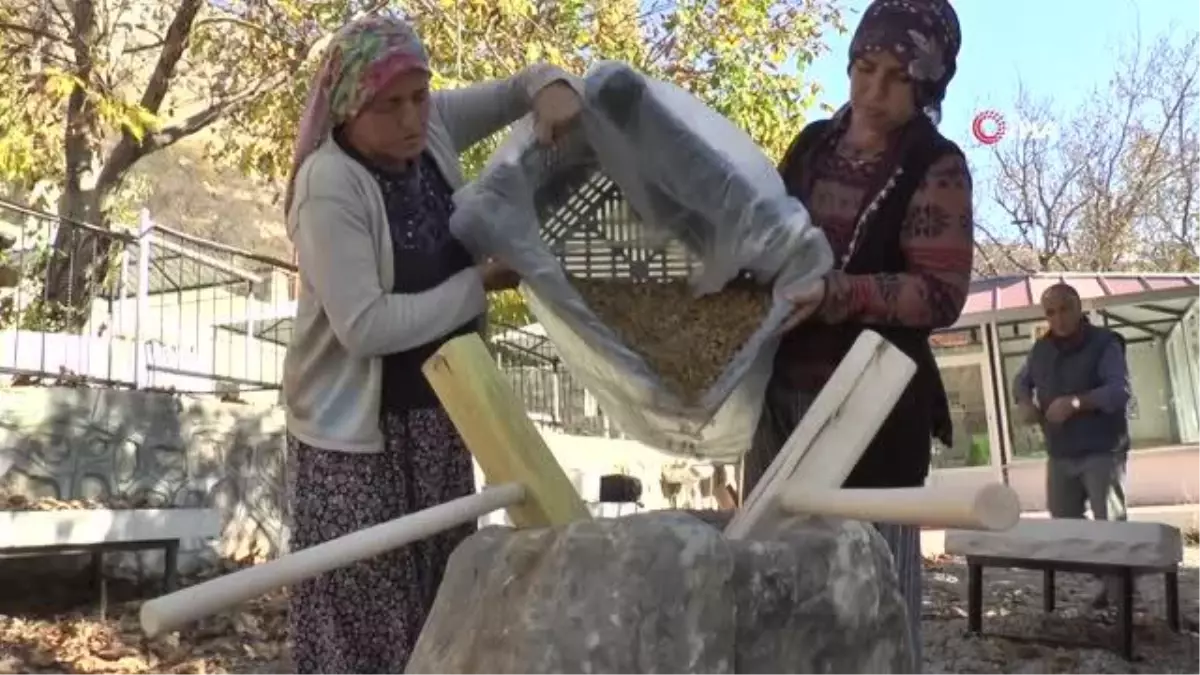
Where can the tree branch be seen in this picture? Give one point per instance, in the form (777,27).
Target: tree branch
(175,44)
(186,126)
(1006,249)
(129,149)
(198,26)
(33,32)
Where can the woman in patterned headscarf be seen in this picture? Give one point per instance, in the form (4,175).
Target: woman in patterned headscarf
(893,196)
(383,285)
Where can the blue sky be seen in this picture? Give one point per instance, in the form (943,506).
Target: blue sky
(1059,49)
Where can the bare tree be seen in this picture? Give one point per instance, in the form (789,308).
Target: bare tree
(1116,187)
(1136,164)
(1169,153)
(1037,191)
(993,258)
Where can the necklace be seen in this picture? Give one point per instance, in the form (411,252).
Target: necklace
(855,156)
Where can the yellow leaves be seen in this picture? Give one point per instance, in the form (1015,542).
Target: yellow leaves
(27,142)
(736,56)
(533,52)
(17,153)
(31,147)
(60,83)
(113,110)
(507,307)
(730,53)
(129,117)
(515,8)
(291,10)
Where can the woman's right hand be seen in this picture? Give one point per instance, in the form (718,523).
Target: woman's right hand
(805,302)
(498,277)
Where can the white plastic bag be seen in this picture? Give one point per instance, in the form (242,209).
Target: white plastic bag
(692,177)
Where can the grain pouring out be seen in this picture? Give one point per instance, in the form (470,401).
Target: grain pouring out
(687,341)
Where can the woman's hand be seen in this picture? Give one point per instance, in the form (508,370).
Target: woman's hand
(554,107)
(498,277)
(805,303)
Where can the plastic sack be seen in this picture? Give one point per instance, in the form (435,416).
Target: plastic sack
(694,179)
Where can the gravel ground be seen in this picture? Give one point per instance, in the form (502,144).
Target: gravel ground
(1013,614)
(63,629)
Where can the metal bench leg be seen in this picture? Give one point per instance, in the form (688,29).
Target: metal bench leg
(1125,613)
(974,598)
(1048,591)
(1171,581)
(97,570)
(170,566)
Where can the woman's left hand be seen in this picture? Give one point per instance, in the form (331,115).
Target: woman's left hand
(555,106)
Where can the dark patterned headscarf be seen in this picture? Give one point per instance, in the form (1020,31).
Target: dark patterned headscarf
(923,34)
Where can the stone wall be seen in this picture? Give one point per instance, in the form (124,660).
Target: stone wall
(179,450)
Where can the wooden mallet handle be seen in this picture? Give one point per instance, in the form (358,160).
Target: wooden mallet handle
(989,507)
(174,610)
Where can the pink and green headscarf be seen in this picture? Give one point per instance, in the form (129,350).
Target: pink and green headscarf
(362,58)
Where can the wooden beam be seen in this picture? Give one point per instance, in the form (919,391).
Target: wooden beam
(834,433)
(524,477)
(986,507)
(177,609)
(499,433)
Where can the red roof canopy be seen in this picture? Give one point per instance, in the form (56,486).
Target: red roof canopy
(1018,296)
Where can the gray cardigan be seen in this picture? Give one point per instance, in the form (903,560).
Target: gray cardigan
(346,317)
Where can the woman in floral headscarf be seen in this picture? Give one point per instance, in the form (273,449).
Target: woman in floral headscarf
(893,196)
(383,285)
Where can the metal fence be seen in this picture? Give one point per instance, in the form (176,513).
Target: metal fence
(157,309)
(552,396)
(146,307)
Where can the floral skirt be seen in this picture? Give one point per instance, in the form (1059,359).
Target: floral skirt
(366,617)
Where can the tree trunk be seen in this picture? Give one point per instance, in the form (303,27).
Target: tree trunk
(80,241)
(79,262)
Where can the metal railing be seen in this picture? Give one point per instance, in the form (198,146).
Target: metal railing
(154,308)
(552,396)
(144,308)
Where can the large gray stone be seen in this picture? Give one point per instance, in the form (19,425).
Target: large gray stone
(666,592)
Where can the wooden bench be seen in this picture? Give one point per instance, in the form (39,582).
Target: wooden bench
(98,531)
(1122,550)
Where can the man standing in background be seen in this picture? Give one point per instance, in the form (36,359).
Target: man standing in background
(1075,385)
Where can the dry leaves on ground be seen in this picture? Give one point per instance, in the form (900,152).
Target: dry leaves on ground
(64,628)
(142,501)
(38,637)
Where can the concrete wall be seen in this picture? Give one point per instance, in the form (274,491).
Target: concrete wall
(72,443)
(199,451)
